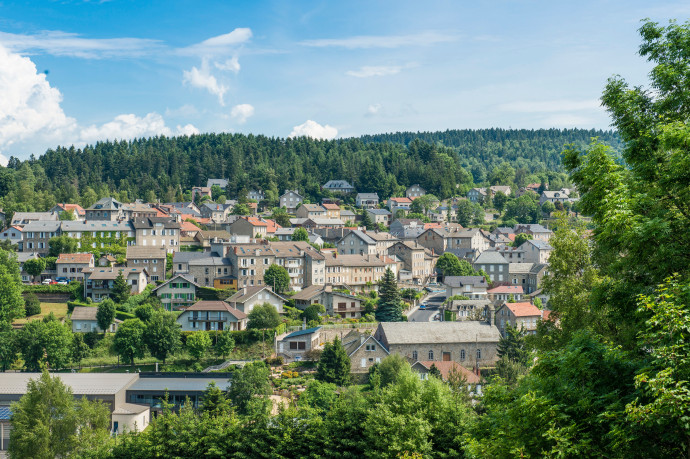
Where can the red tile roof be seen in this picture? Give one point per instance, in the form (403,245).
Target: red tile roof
(216,306)
(523,309)
(74,258)
(402,200)
(445,367)
(514,289)
(330,206)
(80,210)
(188,226)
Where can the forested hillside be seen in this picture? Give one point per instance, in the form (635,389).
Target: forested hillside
(163,168)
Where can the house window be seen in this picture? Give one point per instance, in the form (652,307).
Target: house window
(479,354)
(431,355)
(462,354)
(414,355)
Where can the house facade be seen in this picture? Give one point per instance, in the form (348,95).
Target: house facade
(295,345)
(291,200)
(364,351)
(152,258)
(367,200)
(157,231)
(212,316)
(523,316)
(177,293)
(247,297)
(71,265)
(84,321)
(473,287)
(108,209)
(98,282)
(470,343)
(380,216)
(415,191)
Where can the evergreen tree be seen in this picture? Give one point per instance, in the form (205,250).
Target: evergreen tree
(334,364)
(214,401)
(121,290)
(512,345)
(389,307)
(367,222)
(435,372)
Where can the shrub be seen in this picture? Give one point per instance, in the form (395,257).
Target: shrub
(32,305)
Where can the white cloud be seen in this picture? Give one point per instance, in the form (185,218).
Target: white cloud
(29,107)
(378,41)
(202,78)
(373,109)
(187,129)
(130,126)
(220,45)
(70,44)
(371,71)
(313,129)
(242,112)
(30,113)
(232,65)
(549,106)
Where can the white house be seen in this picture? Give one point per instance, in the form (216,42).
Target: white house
(84,320)
(248,297)
(212,315)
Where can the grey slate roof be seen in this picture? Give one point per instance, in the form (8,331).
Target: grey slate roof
(541,245)
(41,225)
(490,257)
(439,332)
(459,281)
(185,257)
(96,225)
(520,268)
(379,211)
(308,331)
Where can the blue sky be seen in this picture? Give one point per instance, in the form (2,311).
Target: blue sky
(74,72)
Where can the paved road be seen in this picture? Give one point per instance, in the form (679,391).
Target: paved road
(426,315)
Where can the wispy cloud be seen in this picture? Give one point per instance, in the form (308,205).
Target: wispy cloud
(69,44)
(242,112)
(378,70)
(202,78)
(221,45)
(550,106)
(371,71)
(383,41)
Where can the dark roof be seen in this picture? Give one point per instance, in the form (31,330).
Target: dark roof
(459,281)
(308,331)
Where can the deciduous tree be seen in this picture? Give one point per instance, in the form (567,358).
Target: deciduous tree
(277,278)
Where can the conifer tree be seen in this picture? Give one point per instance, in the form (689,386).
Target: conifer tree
(389,308)
(121,290)
(334,364)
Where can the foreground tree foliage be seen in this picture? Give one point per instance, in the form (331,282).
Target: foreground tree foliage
(47,422)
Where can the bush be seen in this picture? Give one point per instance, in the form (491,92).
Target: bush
(73,289)
(214,294)
(274,361)
(32,305)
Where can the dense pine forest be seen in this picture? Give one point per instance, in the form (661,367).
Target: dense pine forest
(159,168)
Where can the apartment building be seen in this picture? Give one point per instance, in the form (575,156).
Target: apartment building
(152,258)
(157,231)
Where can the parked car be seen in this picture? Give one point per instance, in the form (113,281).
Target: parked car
(63,282)
(47,281)
(422,306)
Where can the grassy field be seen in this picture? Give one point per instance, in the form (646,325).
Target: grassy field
(58,309)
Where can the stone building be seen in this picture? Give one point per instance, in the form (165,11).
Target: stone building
(470,343)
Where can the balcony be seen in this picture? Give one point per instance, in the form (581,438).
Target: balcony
(207,319)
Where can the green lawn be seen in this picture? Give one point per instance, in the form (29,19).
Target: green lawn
(58,309)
